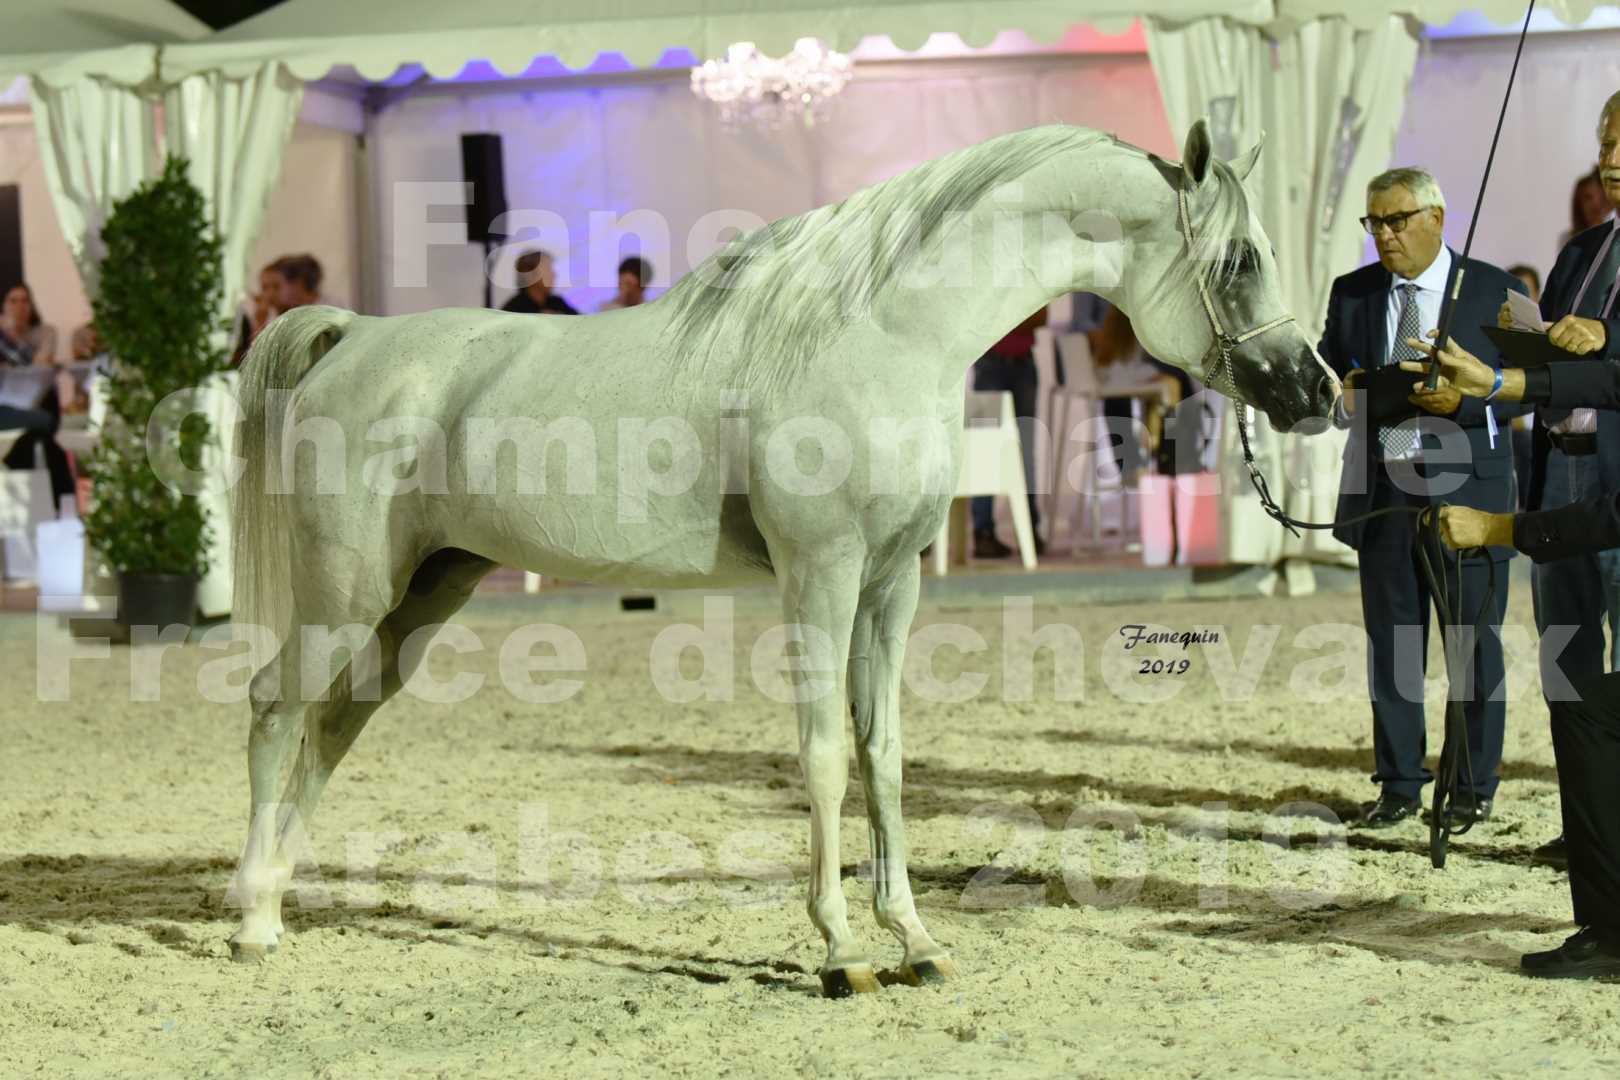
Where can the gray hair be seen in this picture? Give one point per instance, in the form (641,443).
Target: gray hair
(1609,108)
(1420,182)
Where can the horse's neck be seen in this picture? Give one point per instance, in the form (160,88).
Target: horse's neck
(958,322)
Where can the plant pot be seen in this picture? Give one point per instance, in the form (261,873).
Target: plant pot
(157,599)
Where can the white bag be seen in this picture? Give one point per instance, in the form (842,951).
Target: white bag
(60,548)
(1198,519)
(1158,523)
(25,501)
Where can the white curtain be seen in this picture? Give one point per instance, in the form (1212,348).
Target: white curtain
(1329,99)
(96,146)
(234,132)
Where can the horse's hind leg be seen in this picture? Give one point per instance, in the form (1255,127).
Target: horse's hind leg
(440,586)
(274,694)
(876,658)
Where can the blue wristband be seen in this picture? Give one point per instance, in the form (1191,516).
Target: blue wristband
(1497,387)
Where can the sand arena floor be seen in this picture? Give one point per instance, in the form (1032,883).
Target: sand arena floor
(1126,932)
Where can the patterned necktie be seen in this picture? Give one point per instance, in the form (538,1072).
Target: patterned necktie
(1593,304)
(1401,440)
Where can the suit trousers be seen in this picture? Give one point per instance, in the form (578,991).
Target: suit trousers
(1573,596)
(1395,602)
(1586,740)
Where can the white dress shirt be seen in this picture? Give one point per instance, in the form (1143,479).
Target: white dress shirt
(1431,292)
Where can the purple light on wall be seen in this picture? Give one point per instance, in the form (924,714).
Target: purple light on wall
(1475,24)
(549,67)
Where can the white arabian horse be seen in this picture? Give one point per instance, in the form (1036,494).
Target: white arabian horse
(864,315)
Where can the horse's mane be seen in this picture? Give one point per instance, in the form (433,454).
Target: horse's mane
(779,294)
(776,297)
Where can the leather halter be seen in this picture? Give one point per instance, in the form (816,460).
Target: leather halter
(1225,344)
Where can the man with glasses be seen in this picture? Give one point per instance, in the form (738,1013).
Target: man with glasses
(1575,453)
(1451,450)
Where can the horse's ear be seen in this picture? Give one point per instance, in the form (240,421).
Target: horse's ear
(1198,153)
(1244,165)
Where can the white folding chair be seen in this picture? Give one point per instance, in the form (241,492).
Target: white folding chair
(992,464)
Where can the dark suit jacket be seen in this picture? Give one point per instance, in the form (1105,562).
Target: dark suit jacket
(1558,300)
(1358,328)
(1592,524)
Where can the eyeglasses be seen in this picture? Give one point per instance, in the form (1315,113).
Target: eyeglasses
(1395,222)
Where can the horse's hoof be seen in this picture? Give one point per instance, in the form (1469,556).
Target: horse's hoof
(929,972)
(848,981)
(250,952)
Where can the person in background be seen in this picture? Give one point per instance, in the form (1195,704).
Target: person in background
(1403,463)
(1590,205)
(257,312)
(1125,369)
(24,337)
(295,281)
(1531,279)
(634,273)
(1523,440)
(1010,365)
(26,340)
(538,274)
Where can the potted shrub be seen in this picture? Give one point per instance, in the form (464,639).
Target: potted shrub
(157,312)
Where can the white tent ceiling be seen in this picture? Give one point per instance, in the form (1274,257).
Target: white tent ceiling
(115,38)
(377,37)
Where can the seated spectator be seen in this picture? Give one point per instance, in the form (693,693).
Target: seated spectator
(1124,373)
(634,273)
(24,338)
(537,275)
(27,341)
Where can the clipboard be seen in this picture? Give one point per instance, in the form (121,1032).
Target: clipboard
(1387,389)
(1526,348)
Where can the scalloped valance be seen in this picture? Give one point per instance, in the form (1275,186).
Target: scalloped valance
(378,37)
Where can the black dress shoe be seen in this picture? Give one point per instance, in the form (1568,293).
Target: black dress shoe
(1590,954)
(1469,809)
(1390,809)
(986,546)
(1553,853)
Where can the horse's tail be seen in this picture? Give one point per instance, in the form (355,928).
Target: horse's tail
(261,543)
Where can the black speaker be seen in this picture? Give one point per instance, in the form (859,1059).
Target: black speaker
(11,266)
(483,168)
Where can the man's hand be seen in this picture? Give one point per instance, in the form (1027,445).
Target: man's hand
(1463,527)
(1504,318)
(1578,336)
(1441,401)
(1459,368)
(1348,385)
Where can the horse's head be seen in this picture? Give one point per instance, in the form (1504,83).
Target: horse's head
(1209,302)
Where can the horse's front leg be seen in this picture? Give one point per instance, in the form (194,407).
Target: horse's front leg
(877,655)
(819,599)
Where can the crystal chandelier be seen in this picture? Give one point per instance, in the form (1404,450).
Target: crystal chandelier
(750,86)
